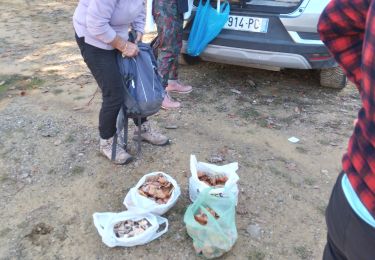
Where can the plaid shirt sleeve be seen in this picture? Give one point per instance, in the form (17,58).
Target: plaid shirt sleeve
(347,27)
(342,27)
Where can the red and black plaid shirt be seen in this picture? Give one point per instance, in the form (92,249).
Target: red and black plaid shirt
(347,27)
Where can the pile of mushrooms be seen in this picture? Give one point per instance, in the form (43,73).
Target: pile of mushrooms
(202,218)
(214,180)
(157,188)
(130,228)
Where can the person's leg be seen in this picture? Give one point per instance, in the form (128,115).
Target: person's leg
(150,134)
(173,83)
(165,14)
(336,219)
(104,68)
(143,119)
(331,252)
(349,237)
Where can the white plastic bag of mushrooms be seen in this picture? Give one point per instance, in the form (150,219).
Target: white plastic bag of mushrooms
(221,178)
(129,229)
(155,192)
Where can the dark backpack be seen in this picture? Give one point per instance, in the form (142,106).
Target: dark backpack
(144,92)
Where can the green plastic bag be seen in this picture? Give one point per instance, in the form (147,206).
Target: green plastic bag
(218,235)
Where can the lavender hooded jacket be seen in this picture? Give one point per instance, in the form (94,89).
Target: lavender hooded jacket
(100,20)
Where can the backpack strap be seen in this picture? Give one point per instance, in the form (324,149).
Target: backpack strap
(139,119)
(114,147)
(126,125)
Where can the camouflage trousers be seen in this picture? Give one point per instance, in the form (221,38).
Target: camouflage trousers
(169,42)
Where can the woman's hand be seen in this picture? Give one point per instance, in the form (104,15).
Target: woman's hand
(130,50)
(127,49)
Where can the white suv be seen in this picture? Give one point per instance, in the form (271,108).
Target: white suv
(273,34)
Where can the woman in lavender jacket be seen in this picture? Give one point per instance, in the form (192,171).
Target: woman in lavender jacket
(101,28)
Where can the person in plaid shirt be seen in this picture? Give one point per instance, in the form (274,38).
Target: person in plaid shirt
(347,27)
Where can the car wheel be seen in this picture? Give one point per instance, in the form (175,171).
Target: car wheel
(185,59)
(333,78)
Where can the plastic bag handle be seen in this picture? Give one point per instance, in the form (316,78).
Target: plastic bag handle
(160,222)
(99,220)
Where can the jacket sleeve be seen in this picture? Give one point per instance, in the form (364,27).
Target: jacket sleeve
(341,27)
(140,21)
(98,19)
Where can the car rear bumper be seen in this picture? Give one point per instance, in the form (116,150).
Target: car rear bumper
(284,45)
(252,58)
(265,59)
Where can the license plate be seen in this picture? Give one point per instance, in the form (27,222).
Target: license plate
(245,23)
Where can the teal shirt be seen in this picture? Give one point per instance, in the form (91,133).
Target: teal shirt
(355,202)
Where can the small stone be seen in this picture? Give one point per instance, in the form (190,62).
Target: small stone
(12,88)
(324,171)
(2,83)
(57,142)
(80,154)
(254,230)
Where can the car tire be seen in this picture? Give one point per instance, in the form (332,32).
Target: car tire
(333,78)
(185,59)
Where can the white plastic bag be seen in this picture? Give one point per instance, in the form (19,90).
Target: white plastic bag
(188,13)
(105,222)
(134,200)
(150,25)
(196,186)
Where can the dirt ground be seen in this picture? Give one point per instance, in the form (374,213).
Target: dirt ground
(53,179)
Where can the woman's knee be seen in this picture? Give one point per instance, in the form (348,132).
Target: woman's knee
(113,102)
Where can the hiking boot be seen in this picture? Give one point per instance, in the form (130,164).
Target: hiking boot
(151,135)
(169,103)
(177,87)
(122,157)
